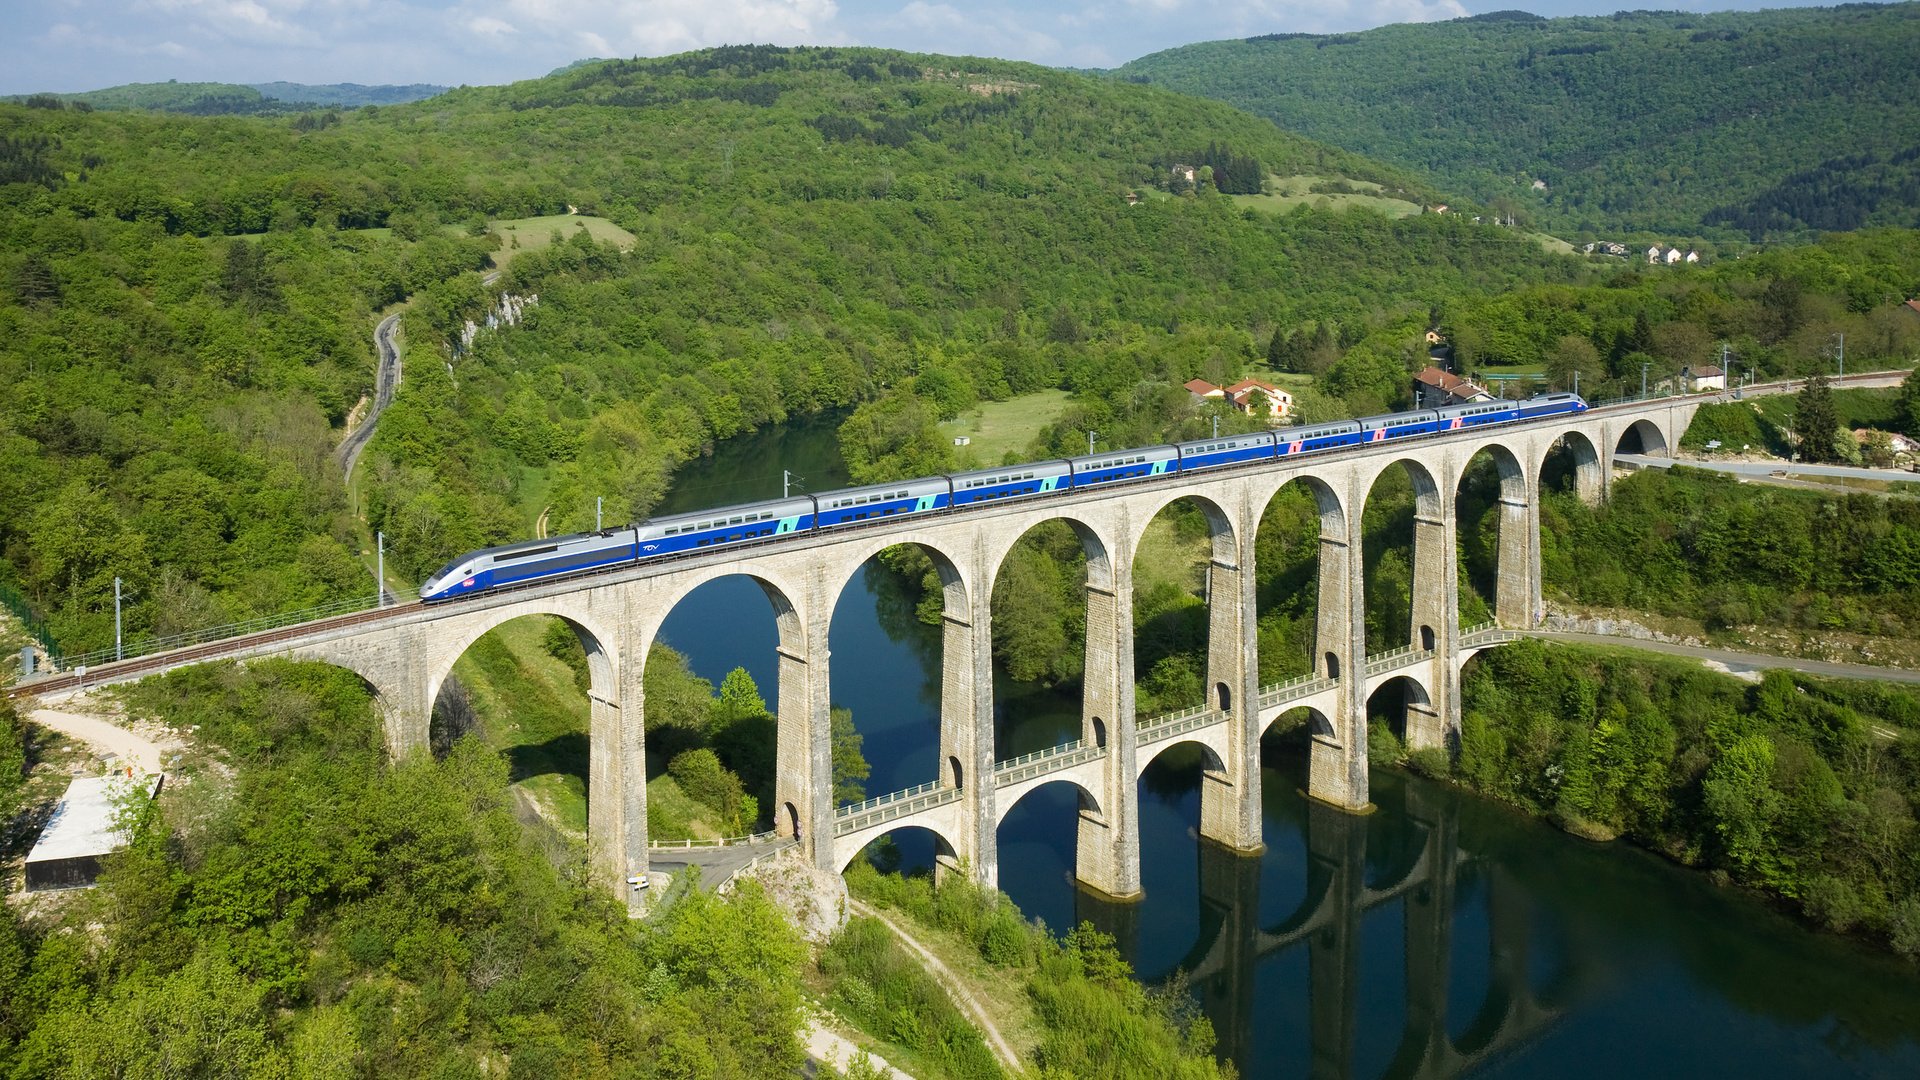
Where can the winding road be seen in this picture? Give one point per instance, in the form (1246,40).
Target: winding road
(386,380)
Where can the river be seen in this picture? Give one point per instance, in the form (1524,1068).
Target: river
(1440,935)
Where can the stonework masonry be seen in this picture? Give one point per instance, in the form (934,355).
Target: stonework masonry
(407,658)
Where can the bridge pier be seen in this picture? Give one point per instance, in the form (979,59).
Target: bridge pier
(1337,762)
(1230,798)
(1436,621)
(966,722)
(1107,855)
(803,771)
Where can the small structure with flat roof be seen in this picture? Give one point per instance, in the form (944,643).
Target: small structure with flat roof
(85,829)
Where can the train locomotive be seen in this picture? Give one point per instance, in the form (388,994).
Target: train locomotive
(762,522)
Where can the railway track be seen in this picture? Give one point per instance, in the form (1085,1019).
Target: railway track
(121,670)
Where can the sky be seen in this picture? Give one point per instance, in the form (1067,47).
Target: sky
(66,46)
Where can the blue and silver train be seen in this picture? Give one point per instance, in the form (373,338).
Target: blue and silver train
(513,564)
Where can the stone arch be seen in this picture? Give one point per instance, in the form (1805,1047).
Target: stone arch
(1643,436)
(1100,689)
(1418,721)
(1178,642)
(1589,471)
(596,637)
(1431,570)
(1501,577)
(798,725)
(956,598)
(1329,570)
(1318,723)
(1089,801)
(1210,759)
(1219,521)
(944,851)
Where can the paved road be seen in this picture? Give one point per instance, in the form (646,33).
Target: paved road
(1770,469)
(717,864)
(386,379)
(1738,661)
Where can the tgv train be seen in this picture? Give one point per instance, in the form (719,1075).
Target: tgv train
(512,564)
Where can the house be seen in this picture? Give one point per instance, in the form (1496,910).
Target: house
(1693,256)
(1433,388)
(1706,378)
(1203,389)
(1539,185)
(1247,394)
(1437,208)
(1186,174)
(1243,395)
(1913,306)
(1673,256)
(1653,254)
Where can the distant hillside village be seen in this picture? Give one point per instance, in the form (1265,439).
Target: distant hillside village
(1657,255)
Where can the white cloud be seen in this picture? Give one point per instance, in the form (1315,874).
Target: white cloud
(656,27)
(488,26)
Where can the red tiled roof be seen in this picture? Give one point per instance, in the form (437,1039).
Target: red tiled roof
(1201,387)
(1245,385)
(1914,304)
(1708,372)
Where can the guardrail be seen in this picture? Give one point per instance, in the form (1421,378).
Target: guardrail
(1487,634)
(1400,657)
(1165,727)
(881,800)
(1041,762)
(1298,687)
(890,807)
(719,842)
(147,646)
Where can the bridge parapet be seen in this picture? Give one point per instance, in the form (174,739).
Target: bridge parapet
(1041,762)
(1294,689)
(1179,723)
(1485,634)
(892,806)
(1404,656)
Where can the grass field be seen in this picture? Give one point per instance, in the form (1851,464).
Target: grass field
(534,233)
(1292,191)
(999,428)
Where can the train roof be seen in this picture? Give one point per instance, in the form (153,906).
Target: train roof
(795,504)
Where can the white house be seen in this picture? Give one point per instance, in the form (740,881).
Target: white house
(1243,395)
(1702,379)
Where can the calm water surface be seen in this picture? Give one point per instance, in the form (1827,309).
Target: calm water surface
(1441,935)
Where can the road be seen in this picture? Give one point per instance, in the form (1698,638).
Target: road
(99,727)
(386,379)
(1771,469)
(1736,661)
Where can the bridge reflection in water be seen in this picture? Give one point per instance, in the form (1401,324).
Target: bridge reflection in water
(1367,882)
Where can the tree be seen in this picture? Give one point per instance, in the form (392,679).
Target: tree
(1816,421)
(850,768)
(13,758)
(1573,356)
(1907,405)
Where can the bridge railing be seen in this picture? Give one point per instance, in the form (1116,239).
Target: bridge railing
(718,842)
(882,800)
(149,645)
(1486,634)
(1290,689)
(1393,658)
(1171,724)
(890,807)
(1041,762)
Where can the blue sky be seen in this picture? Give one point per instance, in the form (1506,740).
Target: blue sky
(71,45)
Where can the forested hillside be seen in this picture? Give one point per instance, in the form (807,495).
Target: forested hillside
(188,301)
(1765,124)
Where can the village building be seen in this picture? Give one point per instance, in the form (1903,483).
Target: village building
(1433,388)
(1246,396)
(1705,378)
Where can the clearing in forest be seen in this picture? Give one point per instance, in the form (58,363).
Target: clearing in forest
(994,429)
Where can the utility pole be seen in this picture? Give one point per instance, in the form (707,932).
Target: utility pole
(1216,429)
(1841,349)
(1643,378)
(786,482)
(1091,435)
(380,572)
(118,652)
(1576,382)
(596,513)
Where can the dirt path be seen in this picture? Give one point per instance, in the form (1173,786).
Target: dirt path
(955,988)
(830,1049)
(100,725)
(1734,662)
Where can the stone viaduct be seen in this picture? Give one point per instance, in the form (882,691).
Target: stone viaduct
(407,653)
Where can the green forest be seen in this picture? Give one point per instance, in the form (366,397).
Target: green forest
(1653,124)
(1800,786)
